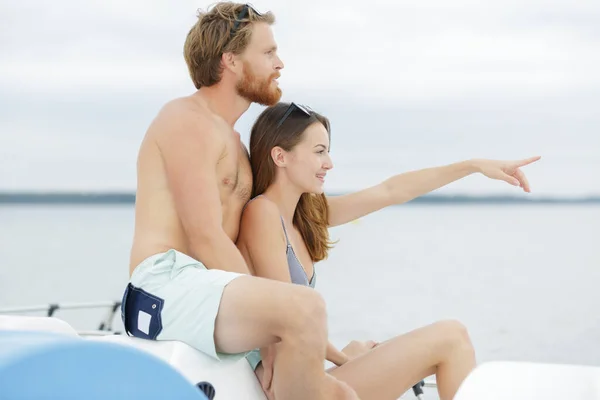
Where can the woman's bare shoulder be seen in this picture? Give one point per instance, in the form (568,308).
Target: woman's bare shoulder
(260,210)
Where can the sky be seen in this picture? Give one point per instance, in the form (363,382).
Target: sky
(406,85)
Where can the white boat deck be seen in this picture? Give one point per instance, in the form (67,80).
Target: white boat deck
(236,380)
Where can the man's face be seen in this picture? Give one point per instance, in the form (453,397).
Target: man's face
(261,67)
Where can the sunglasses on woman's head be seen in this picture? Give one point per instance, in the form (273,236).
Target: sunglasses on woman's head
(306,110)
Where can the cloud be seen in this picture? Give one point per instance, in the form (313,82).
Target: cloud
(398,50)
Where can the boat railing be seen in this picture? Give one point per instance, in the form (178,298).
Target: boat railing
(51,308)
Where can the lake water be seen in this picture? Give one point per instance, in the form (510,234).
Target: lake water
(523,278)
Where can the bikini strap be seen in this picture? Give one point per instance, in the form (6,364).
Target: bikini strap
(287,240)
(250,201)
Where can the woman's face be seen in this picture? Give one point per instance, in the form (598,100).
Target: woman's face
(309,161)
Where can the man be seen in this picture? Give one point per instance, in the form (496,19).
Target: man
(189,282)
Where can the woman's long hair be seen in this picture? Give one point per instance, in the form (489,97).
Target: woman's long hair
(312,212)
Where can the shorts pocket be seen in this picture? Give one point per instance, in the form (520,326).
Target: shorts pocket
(141,313)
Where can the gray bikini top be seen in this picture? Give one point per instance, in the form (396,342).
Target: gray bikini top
(297,272)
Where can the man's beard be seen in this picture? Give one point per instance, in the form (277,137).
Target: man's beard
(263,92)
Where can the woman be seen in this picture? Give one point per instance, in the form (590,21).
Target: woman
(284,232)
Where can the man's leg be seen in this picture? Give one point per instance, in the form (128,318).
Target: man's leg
(256,312)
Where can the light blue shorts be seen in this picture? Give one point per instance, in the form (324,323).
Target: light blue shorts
(172,296)
(254,358)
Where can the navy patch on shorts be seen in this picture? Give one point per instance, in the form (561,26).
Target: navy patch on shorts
(141,312)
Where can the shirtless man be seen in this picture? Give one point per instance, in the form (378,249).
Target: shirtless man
(189,282)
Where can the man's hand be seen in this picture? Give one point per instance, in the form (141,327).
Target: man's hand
(357,348)
(508,171)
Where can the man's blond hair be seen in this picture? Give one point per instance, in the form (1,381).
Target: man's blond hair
(214,34)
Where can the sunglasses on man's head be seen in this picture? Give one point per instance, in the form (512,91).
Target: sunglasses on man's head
(241,16)
(306,110)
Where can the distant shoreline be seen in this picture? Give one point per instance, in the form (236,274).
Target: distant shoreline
(129,198)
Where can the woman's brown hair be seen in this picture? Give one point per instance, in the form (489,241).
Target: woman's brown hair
(312,212)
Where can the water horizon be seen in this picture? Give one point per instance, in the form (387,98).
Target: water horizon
(128,197)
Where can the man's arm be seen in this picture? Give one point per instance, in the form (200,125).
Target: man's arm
(190,146)
(410,185)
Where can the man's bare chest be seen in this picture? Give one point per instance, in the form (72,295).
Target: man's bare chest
(235,175)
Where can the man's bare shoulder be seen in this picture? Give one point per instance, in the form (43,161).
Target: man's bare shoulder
(185,128)
(183,117)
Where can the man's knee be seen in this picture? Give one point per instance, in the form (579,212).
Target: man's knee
(307,312)
(314,306)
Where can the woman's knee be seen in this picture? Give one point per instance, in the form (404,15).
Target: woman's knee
(454,328)
(453,333)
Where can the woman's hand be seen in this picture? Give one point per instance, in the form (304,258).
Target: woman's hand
(508,171)
(357,348)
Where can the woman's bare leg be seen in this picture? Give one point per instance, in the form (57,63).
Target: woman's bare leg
(393,367)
